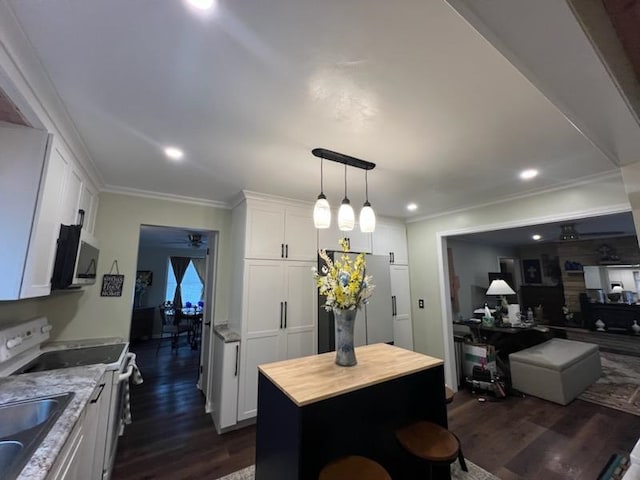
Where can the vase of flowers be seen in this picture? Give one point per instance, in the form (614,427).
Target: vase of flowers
(347,288)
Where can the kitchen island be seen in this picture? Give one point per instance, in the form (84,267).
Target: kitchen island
(312,411)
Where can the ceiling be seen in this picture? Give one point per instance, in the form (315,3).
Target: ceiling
(588,228)
(248,90)
(172,237)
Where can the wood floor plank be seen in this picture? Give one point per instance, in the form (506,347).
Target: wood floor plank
(172,438)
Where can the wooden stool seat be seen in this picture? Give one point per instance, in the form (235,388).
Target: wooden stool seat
(429,441)
(354,467)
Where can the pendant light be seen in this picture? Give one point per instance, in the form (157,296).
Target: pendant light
(346,216)
(367,215)
(321,210)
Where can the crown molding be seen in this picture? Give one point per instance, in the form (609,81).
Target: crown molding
(136,192)
(531,193)
(262,197)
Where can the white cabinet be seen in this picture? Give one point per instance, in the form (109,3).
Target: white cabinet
(31,185)
(594,277)
(328,237)
(623,276)
(401,304)
(69,461)
(391,240)
(278,231)
(279,321)
(226,358)
(40,188)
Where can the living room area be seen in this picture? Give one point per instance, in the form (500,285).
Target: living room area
(550,297)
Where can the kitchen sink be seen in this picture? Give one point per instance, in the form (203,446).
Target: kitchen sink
(23,425)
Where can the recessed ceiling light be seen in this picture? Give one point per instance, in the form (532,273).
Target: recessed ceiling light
(528,174)
(173,153)
(201,4)
(412,207)
(537,237)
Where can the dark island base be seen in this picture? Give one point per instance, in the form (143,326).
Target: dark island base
(297,442)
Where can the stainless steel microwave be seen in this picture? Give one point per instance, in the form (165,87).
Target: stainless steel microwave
(76,262)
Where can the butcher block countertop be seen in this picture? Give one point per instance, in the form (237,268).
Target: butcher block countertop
(310,379)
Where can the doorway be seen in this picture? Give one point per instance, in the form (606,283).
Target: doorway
(173,300)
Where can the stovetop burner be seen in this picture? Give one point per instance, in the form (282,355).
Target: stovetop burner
(76,357)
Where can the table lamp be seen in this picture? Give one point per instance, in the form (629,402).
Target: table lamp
(501,288)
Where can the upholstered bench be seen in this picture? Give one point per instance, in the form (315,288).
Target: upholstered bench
(557,370)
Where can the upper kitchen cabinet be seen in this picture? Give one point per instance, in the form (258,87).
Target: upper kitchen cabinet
(39,190)
(328,238)
(275,230)
(390,239)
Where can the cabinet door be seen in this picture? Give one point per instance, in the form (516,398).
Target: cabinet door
(89,203)
(403,332)
(263,312)
(593,277)
(265,232)
(69,459)
(400,289)
(255,351)
(42,245)
(391,240)
(225,392)
(264,297)
(22,158)
(300,235)
(358,241)
(328,237)
(301,310)
(71,195)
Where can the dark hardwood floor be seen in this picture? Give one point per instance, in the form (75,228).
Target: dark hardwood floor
(517,438)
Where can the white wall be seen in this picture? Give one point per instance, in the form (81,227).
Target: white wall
(472,262)
(427,268)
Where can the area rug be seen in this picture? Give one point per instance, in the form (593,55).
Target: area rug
(474,473)
(619,386)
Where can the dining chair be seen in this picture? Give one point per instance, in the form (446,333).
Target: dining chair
(172,325)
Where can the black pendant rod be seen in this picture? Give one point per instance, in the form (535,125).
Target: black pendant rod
(342,158)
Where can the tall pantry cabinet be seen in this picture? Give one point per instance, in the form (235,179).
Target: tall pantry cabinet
(274,298)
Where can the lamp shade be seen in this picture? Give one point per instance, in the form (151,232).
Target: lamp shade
(346,216)
(500,287)
(322,212)
(367,219)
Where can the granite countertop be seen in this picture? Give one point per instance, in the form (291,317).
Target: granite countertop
(226,334)
(80,380)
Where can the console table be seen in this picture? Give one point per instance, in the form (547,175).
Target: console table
(618,317)
(312,411)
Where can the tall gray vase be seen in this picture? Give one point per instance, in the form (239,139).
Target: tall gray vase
(345,321)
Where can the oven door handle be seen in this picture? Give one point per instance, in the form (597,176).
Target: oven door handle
(131,357)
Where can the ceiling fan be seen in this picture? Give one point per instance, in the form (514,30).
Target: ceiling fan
(568,232)
(192,240)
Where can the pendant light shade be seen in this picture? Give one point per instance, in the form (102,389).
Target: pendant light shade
(322,212)
(367,219)
(346,216)
(367,215)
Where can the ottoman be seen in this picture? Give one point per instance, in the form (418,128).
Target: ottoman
(557,370)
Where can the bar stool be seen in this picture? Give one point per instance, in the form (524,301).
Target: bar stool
(353,467)
(431,443)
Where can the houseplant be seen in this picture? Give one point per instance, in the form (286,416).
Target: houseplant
(347,287)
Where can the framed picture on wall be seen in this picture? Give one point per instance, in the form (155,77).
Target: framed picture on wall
(531,271)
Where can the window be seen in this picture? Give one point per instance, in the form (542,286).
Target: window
(192,287)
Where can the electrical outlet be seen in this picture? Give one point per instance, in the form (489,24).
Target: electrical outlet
(420,303)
